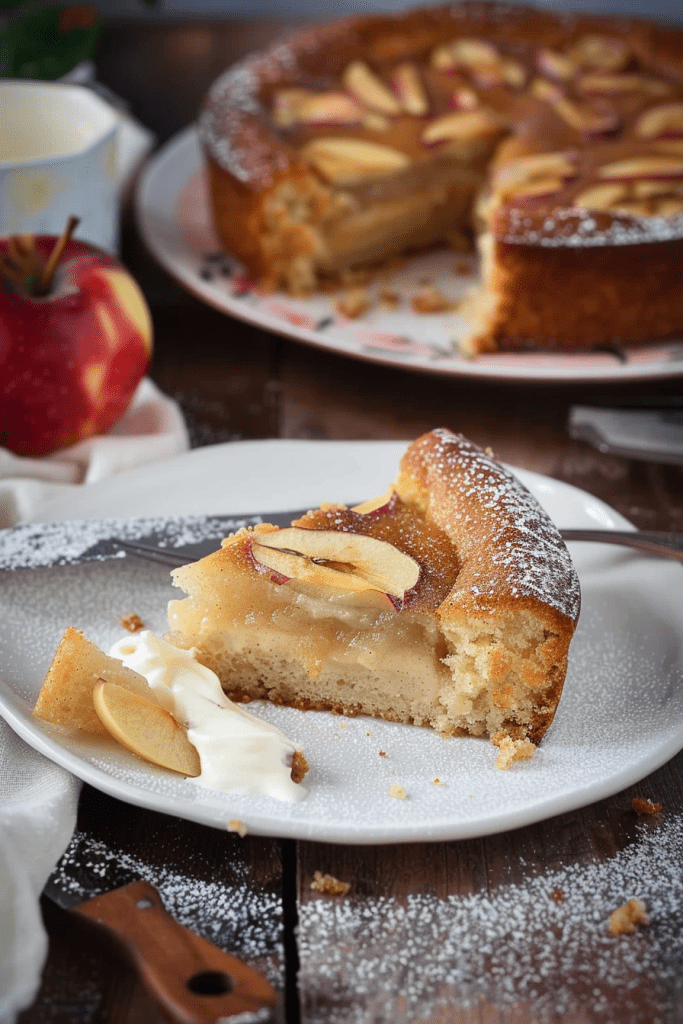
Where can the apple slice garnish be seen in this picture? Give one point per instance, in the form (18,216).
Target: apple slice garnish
(410,90)
(589,119)
(554,65)
(464,54)
(593,52)
(145,728)
(378,504)
(347,561)
(298,106)
(603,196)
(464,98)
(461,126)
(610,85)
(664,119)
(348,161)
(547,92)
(634,168)
(367,87)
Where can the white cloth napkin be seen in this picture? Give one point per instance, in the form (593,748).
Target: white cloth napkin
(153,428)
(37,798)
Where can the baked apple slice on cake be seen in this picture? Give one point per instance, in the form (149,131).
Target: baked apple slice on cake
(449,602)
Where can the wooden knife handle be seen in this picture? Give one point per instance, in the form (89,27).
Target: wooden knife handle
(194,981)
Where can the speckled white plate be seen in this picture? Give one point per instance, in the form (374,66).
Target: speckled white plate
(175,223)
(620,717)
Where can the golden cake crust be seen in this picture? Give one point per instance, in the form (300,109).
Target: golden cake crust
(281,216)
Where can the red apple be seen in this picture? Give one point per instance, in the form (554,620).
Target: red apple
(75,342)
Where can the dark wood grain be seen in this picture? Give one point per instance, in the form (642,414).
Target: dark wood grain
(505,929)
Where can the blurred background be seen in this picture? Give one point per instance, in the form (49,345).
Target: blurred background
(665,10)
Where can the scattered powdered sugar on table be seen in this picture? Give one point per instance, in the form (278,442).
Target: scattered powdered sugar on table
(543,945)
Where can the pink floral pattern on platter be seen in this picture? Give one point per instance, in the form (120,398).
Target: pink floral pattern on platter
(290,315)
(398,343)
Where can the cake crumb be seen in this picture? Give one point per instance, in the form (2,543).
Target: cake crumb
(235,825)
(641,805)
(430,299)
(133,623)
(389,298)
(354,304)
(329,885)
(624,920)
(299,766)
(511,750)
(558,895)
(397,791)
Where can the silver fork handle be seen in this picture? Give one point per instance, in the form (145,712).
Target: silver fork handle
(654,542)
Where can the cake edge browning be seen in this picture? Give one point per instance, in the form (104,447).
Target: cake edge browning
(517,592)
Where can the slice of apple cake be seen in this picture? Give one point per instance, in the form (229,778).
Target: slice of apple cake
(449,602)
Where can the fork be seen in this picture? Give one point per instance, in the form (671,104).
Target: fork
(653,542)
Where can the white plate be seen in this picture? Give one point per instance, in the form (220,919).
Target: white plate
(620,717)
(175,224)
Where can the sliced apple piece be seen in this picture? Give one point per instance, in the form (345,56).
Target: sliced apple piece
(410,89)
(351,556)
(145,728)
(603,196)
(349,161)
(588,119)
(465,98)
(610,85)
(513,72)
(594,52)
(377,504)
(664,119)
(464,53)
(548,92)
(539,188)
(634,168)
(298,106)
(369,89)
(536,165)
(655,188)
(461,126)
(555,65)
(668,207)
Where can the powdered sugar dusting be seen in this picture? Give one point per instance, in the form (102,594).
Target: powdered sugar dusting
(574,227)
(65,543)
(234,914)
(513,547)
(542,946)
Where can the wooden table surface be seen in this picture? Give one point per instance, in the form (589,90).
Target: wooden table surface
(509,928)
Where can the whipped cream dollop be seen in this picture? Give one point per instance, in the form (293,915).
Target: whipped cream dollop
(236,749)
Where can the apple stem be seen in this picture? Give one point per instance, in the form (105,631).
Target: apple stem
(44,284)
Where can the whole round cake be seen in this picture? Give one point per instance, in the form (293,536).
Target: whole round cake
(553,140)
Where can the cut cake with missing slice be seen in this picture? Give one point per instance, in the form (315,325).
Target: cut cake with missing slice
(450,602)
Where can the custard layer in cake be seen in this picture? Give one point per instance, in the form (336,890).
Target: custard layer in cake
(448,603)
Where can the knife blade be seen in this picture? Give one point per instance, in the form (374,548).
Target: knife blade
(193,980)
(650,434)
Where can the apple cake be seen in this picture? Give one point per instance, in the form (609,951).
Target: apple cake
(556,140)
(449,602)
